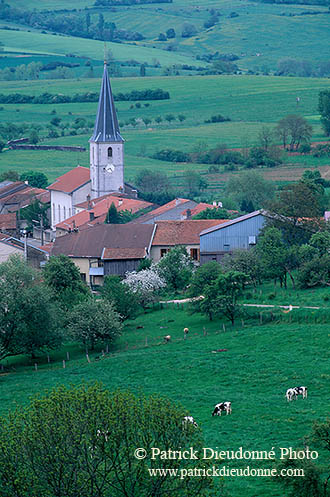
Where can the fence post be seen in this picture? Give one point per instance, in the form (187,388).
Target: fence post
(36,366)
(68,356)
(63,364)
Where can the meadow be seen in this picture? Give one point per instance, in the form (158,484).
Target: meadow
(249,101)
(260,34)
(259,364)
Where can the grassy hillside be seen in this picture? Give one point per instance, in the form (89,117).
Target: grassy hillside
(260,34)
(260,363)
(250,101)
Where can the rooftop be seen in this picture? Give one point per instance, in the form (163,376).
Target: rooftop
(182,232)
(72,180)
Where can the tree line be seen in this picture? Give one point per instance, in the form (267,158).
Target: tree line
(48,98)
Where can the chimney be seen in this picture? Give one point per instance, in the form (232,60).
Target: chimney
(220,204)
(177,202)
(214,203)
(89,204)
(91,216)
(188,214)
(120,202)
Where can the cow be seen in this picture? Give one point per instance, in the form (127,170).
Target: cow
(291,394)
(301,391)
(222,406)
(189,419)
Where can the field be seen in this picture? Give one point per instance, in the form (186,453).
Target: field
(260,363)
(259,34)
(250,101)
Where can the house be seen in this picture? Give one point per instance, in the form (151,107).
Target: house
(68,190)
(106,249)
(91,212)
(239,233)
(9,245)
(15,195)
(171,234)
(173,210)
(8,223)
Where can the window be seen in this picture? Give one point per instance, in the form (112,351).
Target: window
(226,246)
(64,212)
(163,252)
(59,212)
(109,152)
(252,240)
(194,254)
(83,277)
(54,213)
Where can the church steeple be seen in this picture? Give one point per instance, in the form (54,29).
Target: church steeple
(106,127)
(106,146)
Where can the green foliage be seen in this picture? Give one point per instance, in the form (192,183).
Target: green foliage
(152,181)
(250,190)
(119,217)
(35,178)
(28,317)
(221,296)
(292,130)
(176,268)
(63,277)
(213,213)
(144,264)
(94,321)
(171,156)
(315,272)
(124,301)
(2,145)
(324,109)
(36,211)
(9,175)
(245,261)
(90,433)
(203,276)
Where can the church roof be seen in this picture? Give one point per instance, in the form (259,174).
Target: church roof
(72,180)
(106,127)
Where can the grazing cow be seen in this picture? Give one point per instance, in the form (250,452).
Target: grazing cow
(301,391)
(291,394)
(167,338)
(222,406)
(189,419)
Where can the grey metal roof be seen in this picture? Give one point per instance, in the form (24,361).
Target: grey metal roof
(234,221)
(106,127)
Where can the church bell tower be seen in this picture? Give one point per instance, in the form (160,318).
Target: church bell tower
(106,146)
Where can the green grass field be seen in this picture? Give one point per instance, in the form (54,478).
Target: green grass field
(261,362)
(261,34)
(250,101)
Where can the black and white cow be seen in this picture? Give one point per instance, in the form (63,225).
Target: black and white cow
(292,393)
(189,420)
(301,391)
(222,407)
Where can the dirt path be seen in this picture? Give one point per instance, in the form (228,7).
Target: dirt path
(288,307)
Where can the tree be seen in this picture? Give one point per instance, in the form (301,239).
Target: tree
(2,145)
(170,33)
(245,261)
(161,37)
(94,321)
(221,297)
(188,30)
(296,212)
(293,130)
(36,179)
(212,213)
(194,182)
(266,138)
(34,138)
(28,317)
(124,301)
(176,268)
(150,181)
(251,189)
(80,441)
(63,277)
(112,215)
(145,284)
(142,70)
(169,118)
(181,118)
(204,276)
(9,175)
(36,211)
(324,109)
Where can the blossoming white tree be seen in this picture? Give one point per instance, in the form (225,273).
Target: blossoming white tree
(145,284)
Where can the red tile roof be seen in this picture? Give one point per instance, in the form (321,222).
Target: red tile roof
(47,247)
(71,180)
(8,221)
(199,208)
(182,232)
(100,209)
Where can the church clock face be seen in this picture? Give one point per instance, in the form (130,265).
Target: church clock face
(110,168)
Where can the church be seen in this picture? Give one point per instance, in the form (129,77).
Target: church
(106,173)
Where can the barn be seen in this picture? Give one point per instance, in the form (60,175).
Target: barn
(239,233)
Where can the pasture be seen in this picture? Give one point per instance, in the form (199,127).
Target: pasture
(260,363)
(260,34)
(250,101)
